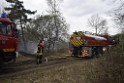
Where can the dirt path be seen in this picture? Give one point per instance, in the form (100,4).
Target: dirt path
(29,66)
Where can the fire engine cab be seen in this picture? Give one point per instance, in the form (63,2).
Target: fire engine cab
(8,39)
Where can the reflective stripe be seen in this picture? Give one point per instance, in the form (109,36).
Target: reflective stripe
(80,34)
(9,50)
(73,42)
(76,39)
(76,42)
(40,52)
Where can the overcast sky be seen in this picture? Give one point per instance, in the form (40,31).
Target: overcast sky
(77,12)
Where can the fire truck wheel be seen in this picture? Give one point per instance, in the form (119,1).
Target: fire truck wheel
(100,50)
(75,52)
(14,57)
(94,52)
(1,60)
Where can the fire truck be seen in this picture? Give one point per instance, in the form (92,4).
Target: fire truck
(82,44)
(8,39)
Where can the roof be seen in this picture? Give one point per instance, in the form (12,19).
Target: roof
(96,37)
(5,20)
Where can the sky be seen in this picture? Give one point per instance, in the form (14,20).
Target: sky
(77,12)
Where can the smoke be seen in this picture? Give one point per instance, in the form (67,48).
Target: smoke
(31,47)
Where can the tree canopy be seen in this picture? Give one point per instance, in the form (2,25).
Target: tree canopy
(17,11)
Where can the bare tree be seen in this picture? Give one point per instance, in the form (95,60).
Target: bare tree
(52,27)
(119,19)
(43,27)
(58,23)
(97,23)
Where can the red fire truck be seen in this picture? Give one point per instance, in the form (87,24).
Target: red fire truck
(8,39)
(86,44)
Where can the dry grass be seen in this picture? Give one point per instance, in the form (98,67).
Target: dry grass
(106,69)
(109,68)
(74,73)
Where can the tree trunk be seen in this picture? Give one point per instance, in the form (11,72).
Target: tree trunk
(23,37)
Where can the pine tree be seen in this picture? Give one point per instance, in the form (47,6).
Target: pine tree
(18,13)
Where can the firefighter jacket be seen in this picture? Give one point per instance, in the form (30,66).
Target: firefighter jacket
(39,51)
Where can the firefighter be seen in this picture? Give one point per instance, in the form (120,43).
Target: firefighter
(39,54)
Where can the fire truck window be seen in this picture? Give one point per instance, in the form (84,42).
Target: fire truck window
(9,29)
(2,28)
